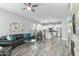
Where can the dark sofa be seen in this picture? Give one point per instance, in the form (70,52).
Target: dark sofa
(19,39)
(9,45)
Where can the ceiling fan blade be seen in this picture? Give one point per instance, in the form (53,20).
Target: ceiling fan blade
(23,8)
(29,4)
(33,10)
(25,4)
(35,5)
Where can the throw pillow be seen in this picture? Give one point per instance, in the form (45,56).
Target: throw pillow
(8,38)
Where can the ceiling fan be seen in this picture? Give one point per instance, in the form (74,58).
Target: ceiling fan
(29,6)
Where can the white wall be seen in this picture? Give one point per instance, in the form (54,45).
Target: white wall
(64,29)
(7,17)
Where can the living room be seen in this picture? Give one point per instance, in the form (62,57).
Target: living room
(38,29)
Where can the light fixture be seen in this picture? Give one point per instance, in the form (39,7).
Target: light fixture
(29,8)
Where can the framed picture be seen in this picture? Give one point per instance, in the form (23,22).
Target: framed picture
(21,27)
(14,27)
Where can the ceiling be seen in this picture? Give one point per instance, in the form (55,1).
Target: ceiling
(44,12)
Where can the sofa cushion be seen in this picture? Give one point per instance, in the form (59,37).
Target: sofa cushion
(3,38)
(19,36)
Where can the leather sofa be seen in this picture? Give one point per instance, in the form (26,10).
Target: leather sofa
(19,39)
(9,45)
